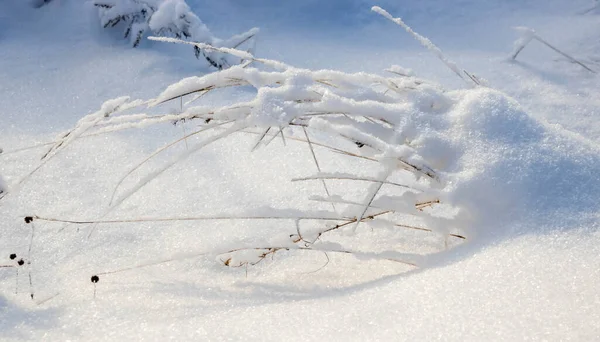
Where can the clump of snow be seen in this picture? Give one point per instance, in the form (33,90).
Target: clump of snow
(511,167)
(176,16)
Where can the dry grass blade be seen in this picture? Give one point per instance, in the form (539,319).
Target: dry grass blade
(26,148)
(196,218)
(163,148)
(338,226)
(352,177)
(421,206)
(236,127)
(282,136)
(261,138)
(265,251)
(572,59)
(322,145)
(83,126)
(197,97)
(372,196)
(312,151)
(275,135)
(204,90)
(423,40)
(342,201)
(155,263)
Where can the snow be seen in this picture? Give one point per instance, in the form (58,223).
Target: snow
(171,12)
(514,166)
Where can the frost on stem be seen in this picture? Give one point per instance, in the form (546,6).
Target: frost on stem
(168,18)
(430,46)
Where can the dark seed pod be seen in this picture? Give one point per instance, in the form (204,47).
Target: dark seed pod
(13,256)
(21,262)
(28,219)
(95,279)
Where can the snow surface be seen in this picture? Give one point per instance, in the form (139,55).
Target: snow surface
(522,168)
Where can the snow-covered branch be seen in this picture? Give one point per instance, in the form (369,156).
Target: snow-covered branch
(169,18)
(430,46)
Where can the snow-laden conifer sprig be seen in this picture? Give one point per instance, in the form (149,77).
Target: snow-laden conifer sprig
(169,18)
(133,14)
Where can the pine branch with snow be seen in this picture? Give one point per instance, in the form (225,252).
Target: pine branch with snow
(132,14)
(169,18)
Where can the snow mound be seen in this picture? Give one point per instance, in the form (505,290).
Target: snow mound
(511,168)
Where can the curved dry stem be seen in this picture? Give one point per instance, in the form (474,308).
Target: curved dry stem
(150,177)
(274,249)
(163,148)
(193,218)
(350,177)
(312,151)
